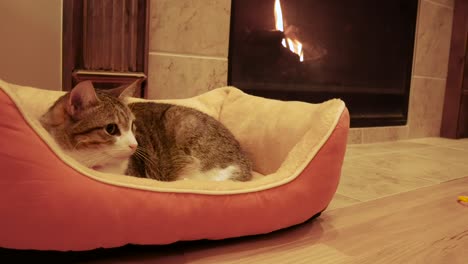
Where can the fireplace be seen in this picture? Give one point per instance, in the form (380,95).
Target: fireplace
(313,50)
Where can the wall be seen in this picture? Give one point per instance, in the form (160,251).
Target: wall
(31,43)
(189,46)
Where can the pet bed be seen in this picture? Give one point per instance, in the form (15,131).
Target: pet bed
(50,202)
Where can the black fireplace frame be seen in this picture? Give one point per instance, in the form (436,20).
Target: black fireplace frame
(366,109)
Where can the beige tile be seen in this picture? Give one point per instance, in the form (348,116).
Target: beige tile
(366,183)
(355,136)
(461,144)
(433,39)
(435,141)
(383,134)
(340,201)
(443,154)
(182,77)
(407,165)
(190,27)
(377,148)
(425,108)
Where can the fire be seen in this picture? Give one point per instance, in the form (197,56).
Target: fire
(279,19)
(296,47)
(293,44)
(278,16)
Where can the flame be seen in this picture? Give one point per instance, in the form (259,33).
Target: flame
(294,45)
(279,20)
(278,16)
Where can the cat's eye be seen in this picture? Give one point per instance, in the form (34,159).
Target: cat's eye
(112,129)
(133,127)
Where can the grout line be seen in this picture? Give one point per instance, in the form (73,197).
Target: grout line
(445,160)
(410,153)
(425,146)
(191,56)
(428,77)
(439,4)
(402,192)
(440,181)
(434,181)
(348,196)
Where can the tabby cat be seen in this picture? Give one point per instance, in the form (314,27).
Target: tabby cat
(144,139)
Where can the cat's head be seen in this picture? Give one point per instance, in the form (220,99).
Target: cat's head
(94,127)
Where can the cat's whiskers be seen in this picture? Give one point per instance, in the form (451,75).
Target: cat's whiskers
(141,153)
(93,159)
(144,158)
(97,158)
(76,145)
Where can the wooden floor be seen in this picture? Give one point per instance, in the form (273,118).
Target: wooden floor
(396,203)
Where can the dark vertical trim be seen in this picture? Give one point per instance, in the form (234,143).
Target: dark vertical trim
(454,85)
(72,32)
(414,7)
(145,43)
(68,62)
(230,47)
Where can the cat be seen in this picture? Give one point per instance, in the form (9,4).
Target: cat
(160,141)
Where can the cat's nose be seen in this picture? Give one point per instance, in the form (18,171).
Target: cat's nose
(133,146)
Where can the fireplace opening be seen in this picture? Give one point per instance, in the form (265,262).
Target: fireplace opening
(313,50)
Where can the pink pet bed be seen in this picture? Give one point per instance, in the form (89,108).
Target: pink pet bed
(50,202)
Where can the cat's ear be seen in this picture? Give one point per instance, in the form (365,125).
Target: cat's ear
(126,90)
(81,97)
(131,90)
